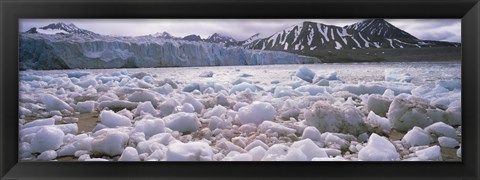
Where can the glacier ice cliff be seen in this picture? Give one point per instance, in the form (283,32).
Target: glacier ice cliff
(71,51)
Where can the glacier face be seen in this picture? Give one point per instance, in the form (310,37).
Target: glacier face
(70,51)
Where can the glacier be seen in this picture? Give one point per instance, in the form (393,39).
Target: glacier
(79,51)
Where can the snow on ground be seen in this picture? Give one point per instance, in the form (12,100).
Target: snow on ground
(322,112)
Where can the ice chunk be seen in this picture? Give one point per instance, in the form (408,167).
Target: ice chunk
(454,115)
(270,127)
(313,90)
(222,100)
(47,138)
(429,154)
(68,128)
(447,142)
(143,96)
(156,142)
(284,91)
(112,119)
(328,76)
(450,84)
(378,149)
(216,123)
(47,155)
(256,113)
(374,88)
(417,137)
(165,89)
(276,152)
(191,87)
(206,74)
(182,122)
(322,82)
(257,153)
(81,142)
(305,74)
(235,156)
(332,152)
(167,107)
(24,111)
(194,102)
(405,113)
(396,75)
(328,118)
(192,151)
(187,107)
(110,143)
(312,133)
(53,103)
(218,111)
(294,155)
(145,107)
(241,80)
(256,143)
(126,113)
(129,154)
(156,155)
(145,85)
(290,109)
(378,124)
(242,87)
(87,82)
(441,129)
(40,122)
(227,146)
(378,104)
(149,127)
(388,93)
(85,107)
(309,149)
(333,140)
(77,74)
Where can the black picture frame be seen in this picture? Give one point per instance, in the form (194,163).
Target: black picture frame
(467,10)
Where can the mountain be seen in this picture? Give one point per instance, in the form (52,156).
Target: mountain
(380,28)
(164,35)
(311,36)
(218,38)
(192,37)
(62,46)
(251,39)
(61,28)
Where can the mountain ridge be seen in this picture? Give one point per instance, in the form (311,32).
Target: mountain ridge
(304,37)
(365,41)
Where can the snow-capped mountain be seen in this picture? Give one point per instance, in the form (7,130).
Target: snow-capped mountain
(380,28)
(61,28)
(251,39)
(59,46)
(164,35)
(311,36)
(218,38)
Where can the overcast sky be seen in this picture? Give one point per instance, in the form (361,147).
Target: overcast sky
(241,29)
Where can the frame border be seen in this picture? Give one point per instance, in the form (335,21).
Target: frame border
(12,10)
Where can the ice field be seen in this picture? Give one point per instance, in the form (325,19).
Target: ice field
(312,112)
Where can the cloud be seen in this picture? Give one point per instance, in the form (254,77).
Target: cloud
(431,29)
